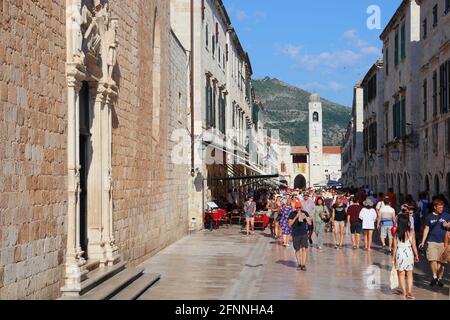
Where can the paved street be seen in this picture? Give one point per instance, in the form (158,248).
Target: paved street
(224,264)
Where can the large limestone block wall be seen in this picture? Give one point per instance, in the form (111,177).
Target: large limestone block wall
(146,195)
(32,148)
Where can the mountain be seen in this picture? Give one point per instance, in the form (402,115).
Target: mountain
(286,109)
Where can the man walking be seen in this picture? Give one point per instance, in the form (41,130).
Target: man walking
(353,212)
(434,234)
(385,222)
(299,221)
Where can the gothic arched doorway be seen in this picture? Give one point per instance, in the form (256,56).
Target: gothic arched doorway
(300,182)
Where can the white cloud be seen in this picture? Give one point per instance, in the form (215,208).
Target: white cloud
(292,51)
(260,14)
(241,15)
(371,50)
(332,86)
(329,60)
(352,39)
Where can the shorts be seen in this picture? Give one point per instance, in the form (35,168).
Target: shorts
(434,251)
(249,216)
(355,227)
(339,223)
(386,232)
(300,242)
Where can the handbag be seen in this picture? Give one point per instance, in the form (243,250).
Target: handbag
(393,279)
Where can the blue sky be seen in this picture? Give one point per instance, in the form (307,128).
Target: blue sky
(322,46)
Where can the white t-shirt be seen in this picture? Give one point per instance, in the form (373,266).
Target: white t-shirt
(368,217)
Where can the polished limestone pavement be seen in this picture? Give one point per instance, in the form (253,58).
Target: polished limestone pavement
(225,264)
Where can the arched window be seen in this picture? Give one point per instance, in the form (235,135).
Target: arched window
(437,189)
(427,184)
(316,117)
(156,73)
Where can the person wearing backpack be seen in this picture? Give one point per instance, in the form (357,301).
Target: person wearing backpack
(436,225)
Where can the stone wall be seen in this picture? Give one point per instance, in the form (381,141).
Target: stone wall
(32,148)
(149,192)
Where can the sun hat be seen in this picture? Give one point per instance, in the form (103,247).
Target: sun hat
(368,203)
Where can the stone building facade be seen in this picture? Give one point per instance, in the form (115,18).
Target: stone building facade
(221,100)
(374,118)
(90,92)
(434,97)
(413,132)
(352,145)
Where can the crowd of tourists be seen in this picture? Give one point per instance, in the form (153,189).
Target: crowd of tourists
(405,227)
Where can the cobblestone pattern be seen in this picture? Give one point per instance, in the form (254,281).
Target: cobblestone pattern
(32,148)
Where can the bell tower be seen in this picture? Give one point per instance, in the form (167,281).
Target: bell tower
(315,140)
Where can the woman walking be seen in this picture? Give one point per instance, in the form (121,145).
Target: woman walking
(338,214)
(286,211)
(250,210)
(368,215)
(321,217)
(274,206)
(405,254)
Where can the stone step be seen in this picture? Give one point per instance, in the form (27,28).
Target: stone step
(138,287)
(94,279)
(112,286)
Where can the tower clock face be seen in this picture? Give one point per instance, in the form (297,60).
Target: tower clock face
(315,148)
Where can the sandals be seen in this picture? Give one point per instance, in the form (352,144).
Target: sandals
(409,296)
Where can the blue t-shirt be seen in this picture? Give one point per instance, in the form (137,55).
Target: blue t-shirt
(437,231)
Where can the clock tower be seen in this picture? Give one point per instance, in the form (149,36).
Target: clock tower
(316,174)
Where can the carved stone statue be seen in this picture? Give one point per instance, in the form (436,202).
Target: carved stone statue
(112,43)
(77,36)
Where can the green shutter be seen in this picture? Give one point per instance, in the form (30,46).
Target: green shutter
(396,48)
(403,41)
(394,117)
(403,116)
(208,116)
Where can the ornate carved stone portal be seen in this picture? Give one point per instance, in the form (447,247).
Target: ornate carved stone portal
(91,36)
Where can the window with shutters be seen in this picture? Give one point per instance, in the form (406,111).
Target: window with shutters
(425,144)
(425,99)
(444,86)
(425,28)
(208,103)
(207,37)
(396,54)
(447,134)
(435,137)
(386,60)
(435,94)
(222,104)
(213,46)
(403,42)
(213,108)
(403,117)
(435,16)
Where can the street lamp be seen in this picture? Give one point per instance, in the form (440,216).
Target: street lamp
(395,153)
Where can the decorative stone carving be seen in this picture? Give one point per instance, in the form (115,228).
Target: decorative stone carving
(75,21)
(111,43)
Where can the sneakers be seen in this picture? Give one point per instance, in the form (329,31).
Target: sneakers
(336,246)
(434,282)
